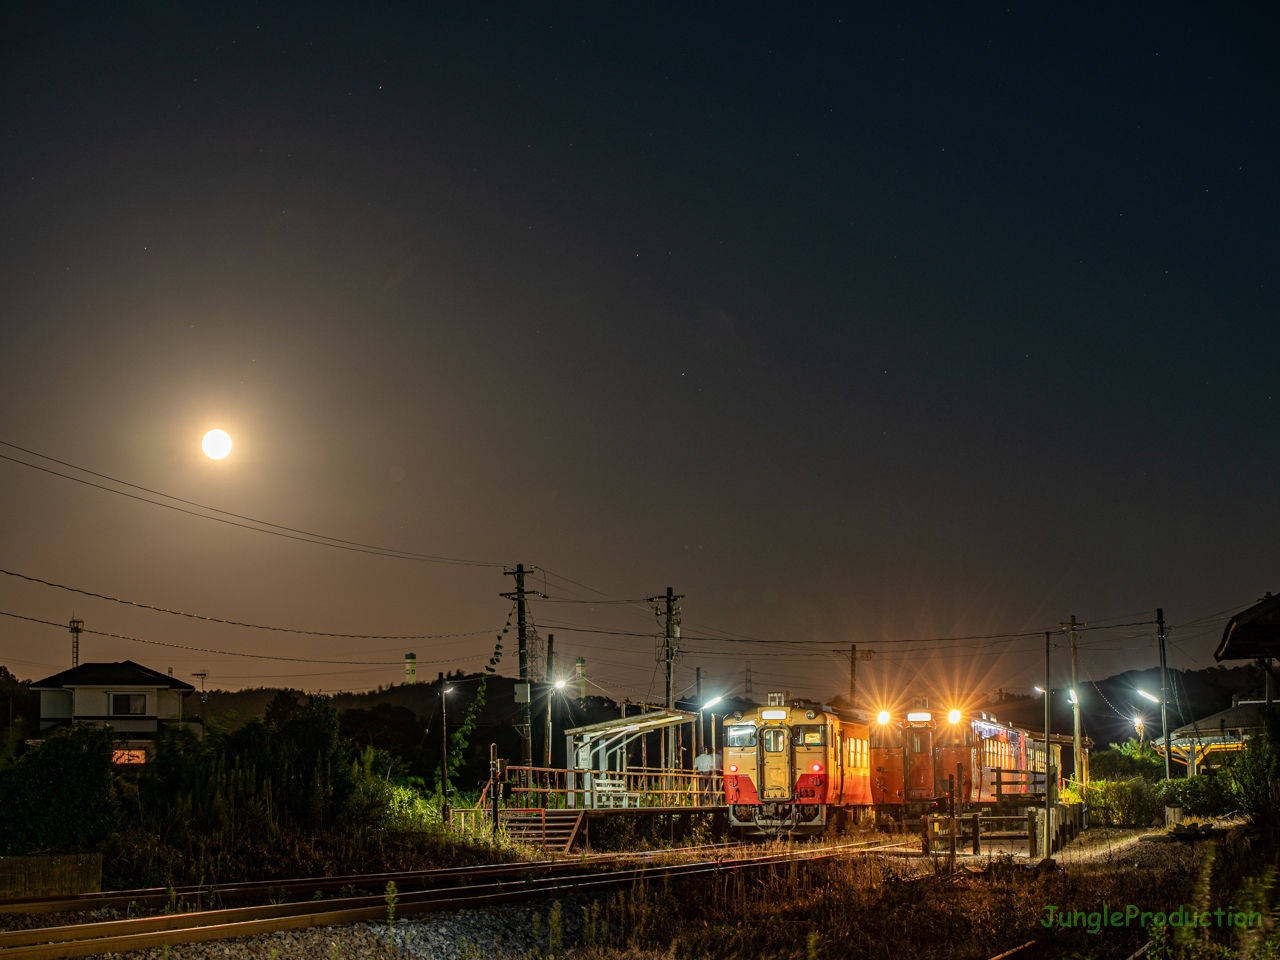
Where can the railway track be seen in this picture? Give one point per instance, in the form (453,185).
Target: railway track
(119,936)
(213,893)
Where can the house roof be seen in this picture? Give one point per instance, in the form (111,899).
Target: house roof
(1252,633)
(123,673)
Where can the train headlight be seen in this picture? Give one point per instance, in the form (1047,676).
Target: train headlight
(884,717)
(733,768)
(954,716)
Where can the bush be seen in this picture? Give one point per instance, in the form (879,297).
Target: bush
(1126,761)
(61,796)
(1204,795)
(1123,803)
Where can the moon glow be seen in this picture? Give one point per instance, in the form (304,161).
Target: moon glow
(216,444)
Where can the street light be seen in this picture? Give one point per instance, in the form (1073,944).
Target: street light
(559,684)
(1073,696)
(444,754)
(1143,693)
(1039,689)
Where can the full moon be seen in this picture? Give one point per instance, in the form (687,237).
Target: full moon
(216,444)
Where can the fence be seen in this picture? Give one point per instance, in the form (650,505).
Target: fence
(556,789)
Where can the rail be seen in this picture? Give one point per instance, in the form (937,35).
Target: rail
(556,789)
(120,936)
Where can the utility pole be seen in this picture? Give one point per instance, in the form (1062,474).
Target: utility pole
(853,672)
(1077,751)
(551,692)
(746,692)
(1164,692)
(76,627)
(1050,781)
(697,737)
(522,689)
(670,642)
(444,757)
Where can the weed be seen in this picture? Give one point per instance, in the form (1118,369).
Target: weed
(536,925)
(555,932)
(392,898)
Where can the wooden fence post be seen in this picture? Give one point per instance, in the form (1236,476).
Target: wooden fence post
(977,829)
(1031,833)
(924,834)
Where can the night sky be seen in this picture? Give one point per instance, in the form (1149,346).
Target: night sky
(884,326)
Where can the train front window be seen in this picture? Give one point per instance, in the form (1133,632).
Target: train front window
(775,740)
(742,735)
(919,742)
(810,734)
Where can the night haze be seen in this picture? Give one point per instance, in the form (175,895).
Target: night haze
(887,327)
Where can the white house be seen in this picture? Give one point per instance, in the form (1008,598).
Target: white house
(134,700)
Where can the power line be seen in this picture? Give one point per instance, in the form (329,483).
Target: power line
(228,653)
(238,623)
(264,526)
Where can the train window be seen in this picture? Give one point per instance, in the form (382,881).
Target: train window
(919,742)
(742,735)
(810,734)
(775,740)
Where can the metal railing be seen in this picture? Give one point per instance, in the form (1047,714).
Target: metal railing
(557,789)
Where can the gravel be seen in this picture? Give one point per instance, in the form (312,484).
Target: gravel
(501,933)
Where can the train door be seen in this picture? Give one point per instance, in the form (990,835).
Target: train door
(919,744)
(776,777)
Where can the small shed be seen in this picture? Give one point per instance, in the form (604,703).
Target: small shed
(136,701)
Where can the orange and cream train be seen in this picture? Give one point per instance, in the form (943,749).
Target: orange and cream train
(802,769)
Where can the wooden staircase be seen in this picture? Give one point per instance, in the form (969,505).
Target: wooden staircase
(550,829)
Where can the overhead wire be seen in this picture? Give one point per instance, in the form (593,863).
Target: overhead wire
(230,653)
(239,623)
(263,526)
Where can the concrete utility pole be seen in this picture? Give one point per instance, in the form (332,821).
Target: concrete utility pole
(1049,779)
(853,672)
(76,627)
(1164,692)
(551,692)
(697,695)
(1077,751)
(444,756)
(522,688)
(670,642)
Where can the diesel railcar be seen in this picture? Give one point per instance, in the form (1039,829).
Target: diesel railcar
(802,769)
(796,769)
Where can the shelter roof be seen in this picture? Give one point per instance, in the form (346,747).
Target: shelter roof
(122,673)
(653,720)
(1246,718)
(1253,633)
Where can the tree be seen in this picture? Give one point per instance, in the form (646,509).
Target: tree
(282,707)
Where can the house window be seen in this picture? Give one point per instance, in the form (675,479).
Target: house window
(128,704)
